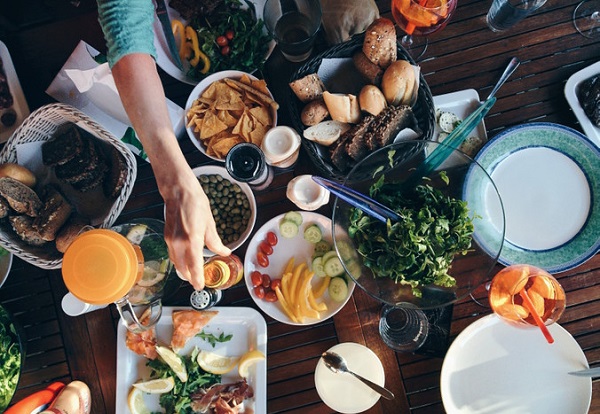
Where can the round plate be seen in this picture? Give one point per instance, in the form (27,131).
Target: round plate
(494,367)
(300,249)
(343,393)
(163,55)
(549,181)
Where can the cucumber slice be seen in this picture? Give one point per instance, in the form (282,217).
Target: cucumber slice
(294,217)
(338,289)
(333,267)
(288,229)
(321,247)
(329,255)
(347,251)
(317,267)
(313,234)
(136,233)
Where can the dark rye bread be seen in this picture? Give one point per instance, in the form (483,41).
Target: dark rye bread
(76,169)
(394,120)
(338,151)
(23,226)
(21,198)
(116,176)
(63,147)
(53,215)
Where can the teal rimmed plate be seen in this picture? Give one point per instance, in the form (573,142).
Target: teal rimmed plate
(548,177)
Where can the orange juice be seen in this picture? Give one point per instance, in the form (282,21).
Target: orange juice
(422,17)
(519,290)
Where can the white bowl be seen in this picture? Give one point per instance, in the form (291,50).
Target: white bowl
(281,146)
(199,89)
(306,194)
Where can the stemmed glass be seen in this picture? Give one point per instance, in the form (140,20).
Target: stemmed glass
(404,325)
(421,18)
(586,18)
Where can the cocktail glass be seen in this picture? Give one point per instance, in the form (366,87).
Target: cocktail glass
(404,326)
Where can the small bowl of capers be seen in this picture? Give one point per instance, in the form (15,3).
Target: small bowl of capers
(232,202)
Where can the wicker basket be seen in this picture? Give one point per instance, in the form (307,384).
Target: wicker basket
(40,126)
(424,109)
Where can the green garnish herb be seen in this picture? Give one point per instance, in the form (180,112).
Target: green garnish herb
(418,250)
(10,359)
(212,339)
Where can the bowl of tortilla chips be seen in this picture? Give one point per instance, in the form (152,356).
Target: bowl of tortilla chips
(227,108)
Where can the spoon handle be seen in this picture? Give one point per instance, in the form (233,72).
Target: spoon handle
(384,393)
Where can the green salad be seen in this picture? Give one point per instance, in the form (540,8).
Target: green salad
(10,359)
(417,250)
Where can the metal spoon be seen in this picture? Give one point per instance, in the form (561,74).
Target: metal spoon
(337,363)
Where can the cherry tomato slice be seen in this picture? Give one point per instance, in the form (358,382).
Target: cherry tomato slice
(259,291)
(266,248)
(270,296)
(222,41)
(262,259)
(275,283)
(271,238)
(266,281)
(256,278)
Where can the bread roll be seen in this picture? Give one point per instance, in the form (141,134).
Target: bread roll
(342,107)
(371,99)
(19,173)
(369,70)
(308,88)
(398,83)
(314,112)
(380,42)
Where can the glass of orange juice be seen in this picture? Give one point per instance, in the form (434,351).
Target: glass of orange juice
(522,293)
(421,18)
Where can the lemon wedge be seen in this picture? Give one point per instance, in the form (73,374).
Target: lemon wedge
(135,401)
(215,363)
(174,361)
(247,360)
(154,272)
(156,386)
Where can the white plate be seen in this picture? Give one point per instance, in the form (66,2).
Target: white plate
(571,87)
(549,181)
(249,331)
(342,392)
(493,367)
(19,103)
(462,104)
(5,265)
(300,249)
(163,55)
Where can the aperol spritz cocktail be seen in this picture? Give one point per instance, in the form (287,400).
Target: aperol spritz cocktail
(521,293)
(421,18)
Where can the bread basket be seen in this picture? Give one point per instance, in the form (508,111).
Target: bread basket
(40,126)
(424,109)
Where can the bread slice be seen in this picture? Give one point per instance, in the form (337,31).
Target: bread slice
(394,120)
(308,88)
(23,226)
(326,132)
(53,215)
(339,151)
(63,147)
(116,176)
(380,45)
(76,169)
(21,198)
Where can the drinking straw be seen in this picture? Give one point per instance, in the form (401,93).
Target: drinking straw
(538,320)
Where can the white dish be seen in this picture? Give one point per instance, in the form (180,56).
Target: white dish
(19,103)
(163,55)
(343,393)
(5,265)
(571,88)
(249,332)
(462,104)
(549,181)
(494,367)
(300,249)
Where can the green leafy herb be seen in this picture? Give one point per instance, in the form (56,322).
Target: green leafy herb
(10,359)
(417,250)
(3,252)
(178,400)
(212,339)
(247,49)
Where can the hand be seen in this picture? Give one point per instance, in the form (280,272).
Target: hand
(189,225)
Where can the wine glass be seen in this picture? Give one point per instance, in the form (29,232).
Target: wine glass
(421,18)
(586,18)
(403,324)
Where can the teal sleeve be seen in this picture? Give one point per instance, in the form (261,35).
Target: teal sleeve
(127,27)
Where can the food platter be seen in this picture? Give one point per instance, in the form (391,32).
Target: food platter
(571,89)
(19,103)
(300,249)
(494,367)
(163,55)
(249,332)
(462,104)
(548,178)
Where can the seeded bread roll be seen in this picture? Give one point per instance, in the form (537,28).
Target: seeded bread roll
(380,42)
(308,88)
(23,226)
(21,198)
(314,112)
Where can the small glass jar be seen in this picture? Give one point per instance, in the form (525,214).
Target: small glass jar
(222,272)
(245,162)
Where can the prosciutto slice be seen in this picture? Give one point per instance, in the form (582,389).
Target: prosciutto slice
(221,398)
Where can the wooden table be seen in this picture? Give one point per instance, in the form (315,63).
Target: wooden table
(466,54)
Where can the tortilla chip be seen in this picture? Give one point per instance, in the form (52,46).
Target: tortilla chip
(262,115)
(212,125)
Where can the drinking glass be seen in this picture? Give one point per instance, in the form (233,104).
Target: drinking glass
(421,18)
(522,293)
(586,18)
(504,14)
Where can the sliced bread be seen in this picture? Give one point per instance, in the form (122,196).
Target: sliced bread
(53,215)
(23,226)
(326,132)
(63,147)
(21,198)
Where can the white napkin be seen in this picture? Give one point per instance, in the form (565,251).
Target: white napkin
(89,86)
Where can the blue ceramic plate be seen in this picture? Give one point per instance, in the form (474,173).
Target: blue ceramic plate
(549,181)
